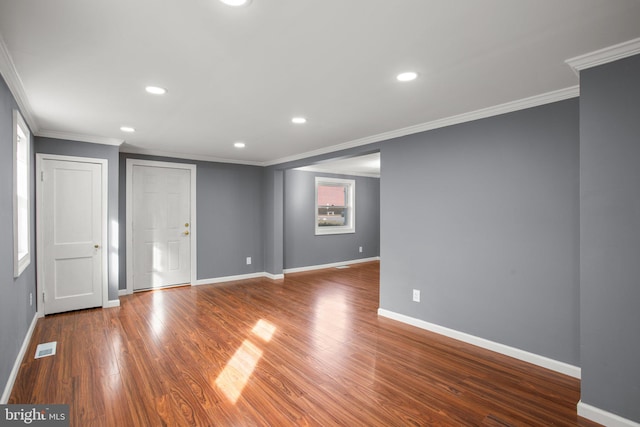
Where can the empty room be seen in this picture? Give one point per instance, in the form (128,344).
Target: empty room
(377,213)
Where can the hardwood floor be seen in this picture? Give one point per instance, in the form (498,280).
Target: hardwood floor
(309,350)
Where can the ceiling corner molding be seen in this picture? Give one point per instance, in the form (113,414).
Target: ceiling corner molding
(196,157)
(14,82)
(507,107)
(604,56)
(79,137)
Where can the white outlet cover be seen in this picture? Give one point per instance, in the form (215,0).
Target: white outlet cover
(248,260)
(416,295)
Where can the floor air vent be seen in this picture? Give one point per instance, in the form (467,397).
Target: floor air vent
(46,349)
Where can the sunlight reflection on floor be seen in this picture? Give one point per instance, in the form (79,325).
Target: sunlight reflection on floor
(238,370)
(264,330)
(158,317)
(331,322)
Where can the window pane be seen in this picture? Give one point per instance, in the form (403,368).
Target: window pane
(334,206)
(21,208)
(331,216)
(331,195)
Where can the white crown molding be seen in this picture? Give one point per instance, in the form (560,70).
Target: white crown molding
(603,417)
(79,137)
(135,150)
(604,56)
(536,359)
(10,75)
(508,107)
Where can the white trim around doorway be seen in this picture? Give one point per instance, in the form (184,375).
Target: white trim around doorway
(129,214)
(40,158)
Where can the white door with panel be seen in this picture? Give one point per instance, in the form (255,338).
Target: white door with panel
(71,218)
(161,226)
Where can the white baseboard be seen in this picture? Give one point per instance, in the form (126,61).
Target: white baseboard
(603,417)
(122,292)
(234,278)
(331,265)
(112,303)
(274,276)
(545,362)
(16,365)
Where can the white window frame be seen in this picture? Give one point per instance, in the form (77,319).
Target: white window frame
(21,203)
(350,184)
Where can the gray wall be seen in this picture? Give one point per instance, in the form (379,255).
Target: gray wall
(83,149)
(482,217)
(16,314)
(303,248)
(273,219)
(229,217)
(610,237)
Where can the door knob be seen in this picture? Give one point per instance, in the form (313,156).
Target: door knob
(186,233)
(96,246)
(186,224)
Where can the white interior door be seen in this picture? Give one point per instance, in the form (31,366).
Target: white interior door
(72,221)
(161,226)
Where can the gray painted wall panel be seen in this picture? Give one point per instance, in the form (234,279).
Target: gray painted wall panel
(482,217)
(273,219)
(16,314)
(99,151)
(610,237)
(229,217)
(229,220)
(302,248)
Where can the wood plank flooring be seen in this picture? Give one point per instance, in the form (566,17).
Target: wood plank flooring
(306,350)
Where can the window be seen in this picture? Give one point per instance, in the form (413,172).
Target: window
(21,199)
(335,207)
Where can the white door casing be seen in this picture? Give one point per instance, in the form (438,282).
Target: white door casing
(161,227)
(160,224)
(72,233)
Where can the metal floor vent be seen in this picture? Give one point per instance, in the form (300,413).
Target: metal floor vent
(342,266)
(46,349)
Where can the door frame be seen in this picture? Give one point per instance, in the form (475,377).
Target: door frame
(129,214)
(106,244)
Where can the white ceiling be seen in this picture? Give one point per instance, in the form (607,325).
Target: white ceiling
(79,67)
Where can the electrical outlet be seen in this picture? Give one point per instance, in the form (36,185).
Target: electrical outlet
(360,249)
(416,295)
(30,299)
(248,260)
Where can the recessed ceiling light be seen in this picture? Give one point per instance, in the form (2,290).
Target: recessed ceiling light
(298,120)
(156,90)
(236,2)
(127,129)
(407,77)
(239,144)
